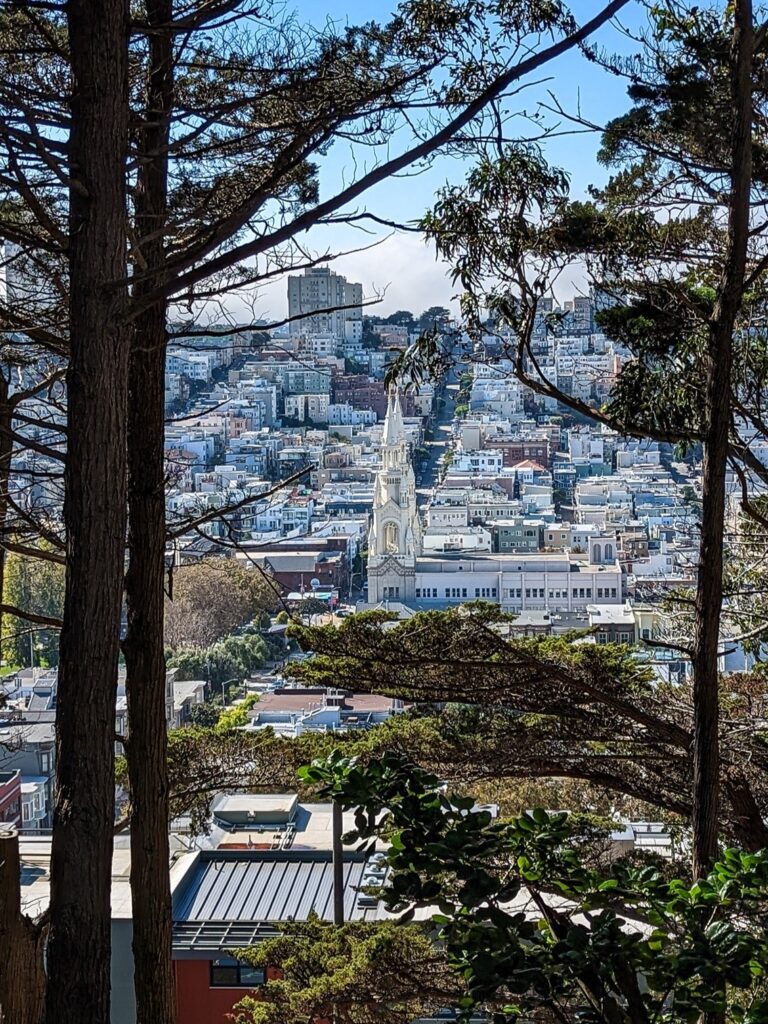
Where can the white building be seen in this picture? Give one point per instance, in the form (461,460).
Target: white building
(486,460)
(394,539)
(307,407)
(319,290)
(401,570)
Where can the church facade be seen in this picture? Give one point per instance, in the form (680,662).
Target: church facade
(399,570)
(394,539)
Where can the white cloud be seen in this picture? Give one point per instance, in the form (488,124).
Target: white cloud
(402,268)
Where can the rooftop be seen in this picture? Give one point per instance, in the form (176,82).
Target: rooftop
(227,899)
(35,855)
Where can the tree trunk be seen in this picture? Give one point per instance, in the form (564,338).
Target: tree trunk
(78,989)
(6,450)
(709,591)
(22,980)
(144,648)
(751,829)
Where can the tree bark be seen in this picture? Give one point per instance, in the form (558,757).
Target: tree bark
(749,826)
(78,990)
(709,591)
(6,450)
(22,980)
(143,647)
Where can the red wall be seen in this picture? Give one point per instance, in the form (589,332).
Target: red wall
(10,800)
(196,1001)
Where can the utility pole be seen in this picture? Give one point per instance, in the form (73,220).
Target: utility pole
(338,865)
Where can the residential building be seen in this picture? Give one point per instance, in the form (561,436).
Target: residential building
(29,748)
(10,797)
(292,712)
(326,303)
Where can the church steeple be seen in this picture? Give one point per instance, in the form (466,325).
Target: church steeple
(394,540)
(394,431)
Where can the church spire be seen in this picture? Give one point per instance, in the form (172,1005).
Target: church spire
(394,431)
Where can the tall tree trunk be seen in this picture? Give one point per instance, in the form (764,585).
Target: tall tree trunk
(144,648)
(78,989)
(6,451)
(709,592)
(22,980)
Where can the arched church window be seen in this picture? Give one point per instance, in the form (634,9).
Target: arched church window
(391,537)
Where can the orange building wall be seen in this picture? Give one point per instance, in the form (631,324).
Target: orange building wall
(196,1001)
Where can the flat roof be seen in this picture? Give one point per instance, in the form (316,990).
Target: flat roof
(611,614)
(261,803)
(35,856)
(253,887)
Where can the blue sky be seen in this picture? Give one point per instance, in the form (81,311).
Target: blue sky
(402,266)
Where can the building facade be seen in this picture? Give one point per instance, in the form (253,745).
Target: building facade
(394,540)
(401,570)
(334,304)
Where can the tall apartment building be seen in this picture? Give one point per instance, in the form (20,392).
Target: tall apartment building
(318,289)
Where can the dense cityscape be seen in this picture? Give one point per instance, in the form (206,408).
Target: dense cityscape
(347,495)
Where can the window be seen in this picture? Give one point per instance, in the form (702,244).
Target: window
(624,638)
(45,763)
(599,591)
(527,591)
(494,592)
(447,591)
(391,537)
(589,591)
(646,634)
(229,973)
(613,591)
(477,591)
(463,591)
(418,592)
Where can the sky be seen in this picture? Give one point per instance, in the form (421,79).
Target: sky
(402,269)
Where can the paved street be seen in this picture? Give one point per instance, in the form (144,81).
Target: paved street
(437,447)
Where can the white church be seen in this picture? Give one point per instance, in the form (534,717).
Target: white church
(400,570)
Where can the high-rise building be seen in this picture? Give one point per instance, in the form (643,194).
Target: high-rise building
(582,314)
(317,290)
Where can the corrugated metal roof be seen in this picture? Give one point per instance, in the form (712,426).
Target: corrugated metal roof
(270,887)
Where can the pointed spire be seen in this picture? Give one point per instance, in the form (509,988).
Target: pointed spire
(394,432)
